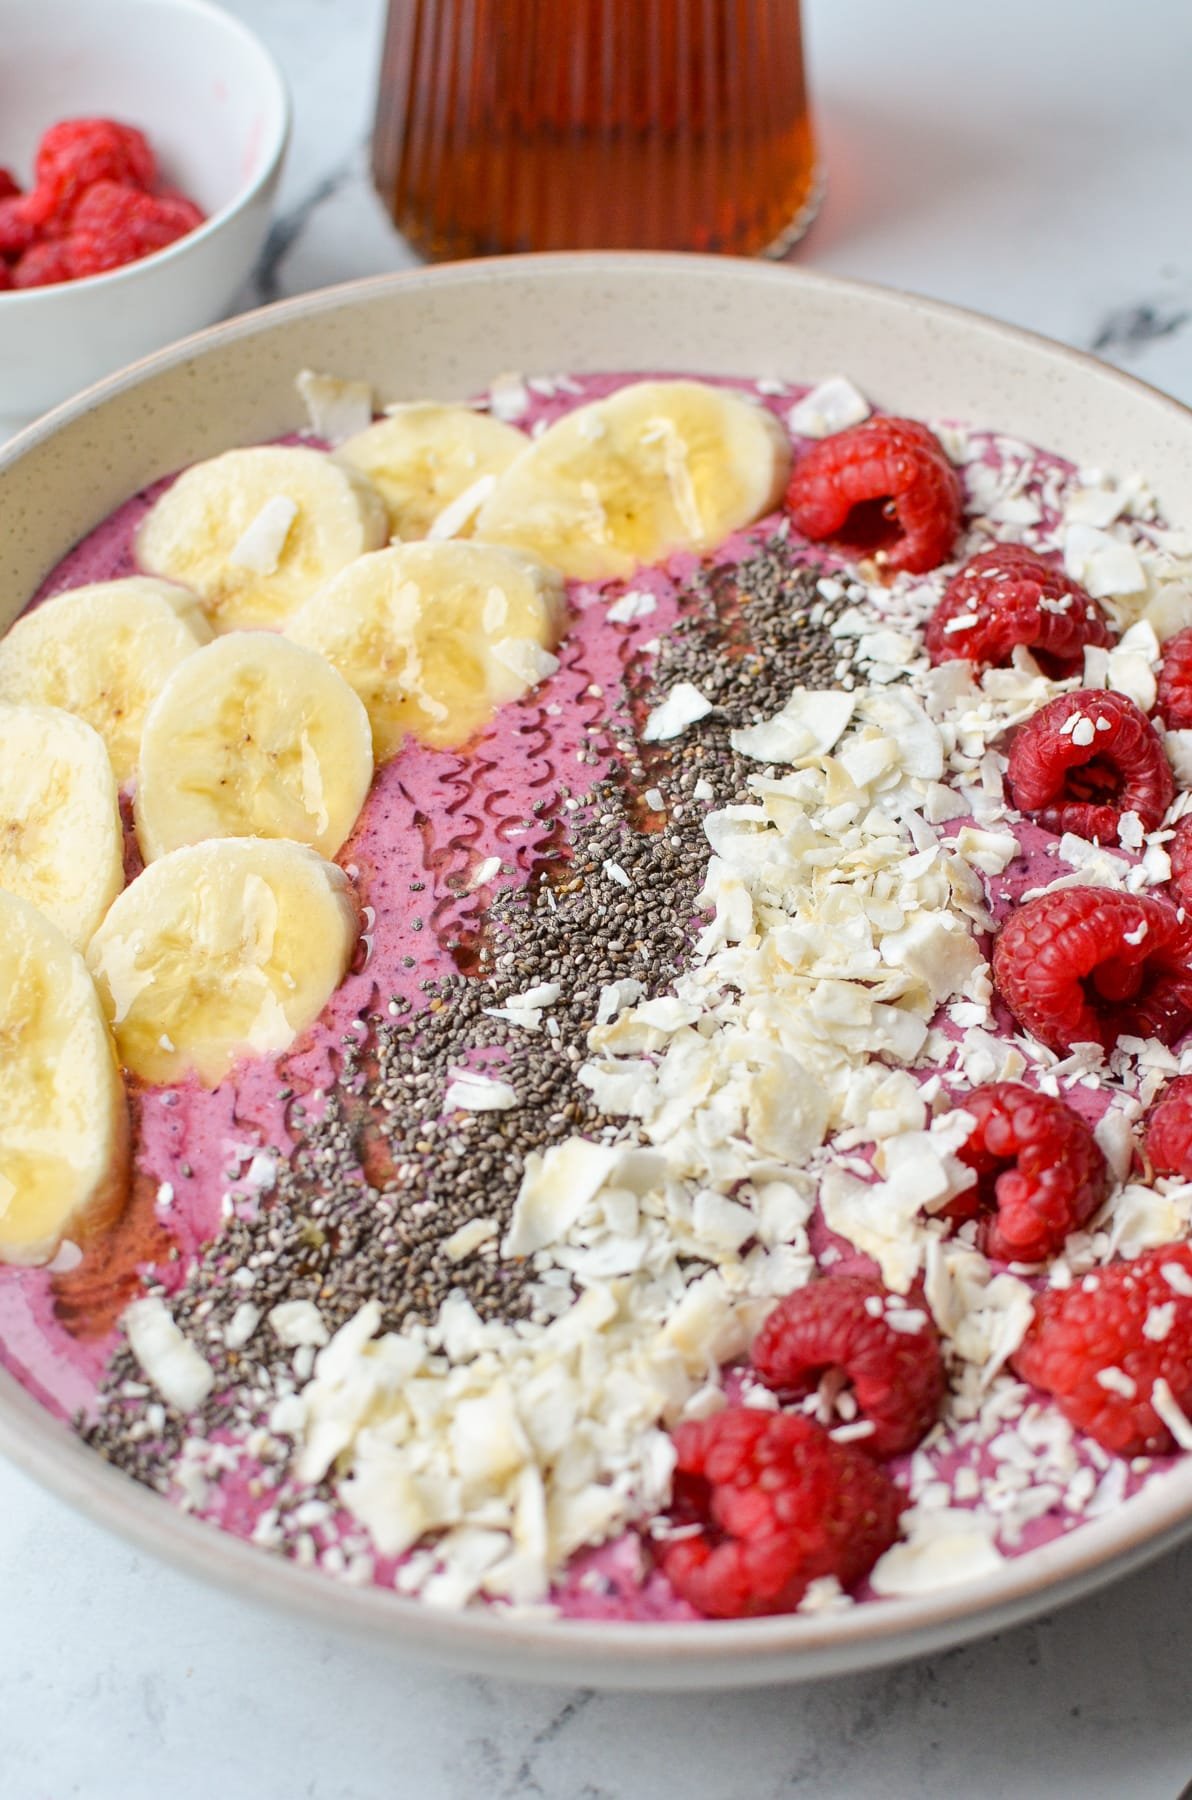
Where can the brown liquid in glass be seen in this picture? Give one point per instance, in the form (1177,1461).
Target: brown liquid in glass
(507,125)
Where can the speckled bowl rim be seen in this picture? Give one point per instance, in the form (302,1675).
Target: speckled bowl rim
(609,1655)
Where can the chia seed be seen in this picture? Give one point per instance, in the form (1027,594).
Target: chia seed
(379,1179)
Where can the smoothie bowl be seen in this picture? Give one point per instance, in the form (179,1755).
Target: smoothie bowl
(605,1091)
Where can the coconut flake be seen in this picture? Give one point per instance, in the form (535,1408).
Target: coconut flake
(808,727)
(470,1091)
(459,513)
(337,409)
(831,407)
(944,1546)
(683,706)
(635,603)
(525,659)
(260,545)
(170,1361)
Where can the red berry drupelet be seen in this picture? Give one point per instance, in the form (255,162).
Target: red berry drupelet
(44,264)
(844,1322)
(1088,965)
(1007,596)
(16,227)
(1101,1346)
(778,1504)
(1174,701)
(1086,758)
(1168,1136)
(1040,1172)
(883,488)
(9,186)
(1180,852)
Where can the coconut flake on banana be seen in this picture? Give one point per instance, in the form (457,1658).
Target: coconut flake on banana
(657,467)
(222,950)
(63,1118)
(61,840)
(424,457)
(435,636)
(103,652)
(254,736)
(254,532)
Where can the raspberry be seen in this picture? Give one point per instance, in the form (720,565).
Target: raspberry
(841,1322)
(75,154)
(44,264)
(1090,965)
(1008,596)
(1174,701)
(1086,758)
(779,1504)
(1040,1172)
(1169,1130)
(9,186)
(1180,852)
(883,488)
(178,209)
(1129,1325)
(5,277)
(113,225)
(16,227)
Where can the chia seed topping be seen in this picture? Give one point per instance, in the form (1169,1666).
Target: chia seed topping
(381,1180)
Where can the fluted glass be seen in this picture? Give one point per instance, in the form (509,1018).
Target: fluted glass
(595,124)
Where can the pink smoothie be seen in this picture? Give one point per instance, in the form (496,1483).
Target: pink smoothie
(435,817)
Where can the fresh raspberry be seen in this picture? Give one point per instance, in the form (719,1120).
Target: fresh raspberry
(883,488)
(1168,1136)
(9,186)
(1040,1172)
(1008,596)
(1101,1345)
(179,209)
(1086,758)
(1180,852)
(1174,701)
(16,227)
(5,276)
(43,265)
(1089,965)
(114,225)
(779,1505)
(75,154)
(843,1322)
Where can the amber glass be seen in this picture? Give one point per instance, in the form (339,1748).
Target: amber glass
(595,124)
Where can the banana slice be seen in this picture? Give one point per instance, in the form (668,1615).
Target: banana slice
(435,636)
(61,840)
(657,467)
(221,950)
(422,456)
(254,736)
(63,1117)
(103,652)
(256,531)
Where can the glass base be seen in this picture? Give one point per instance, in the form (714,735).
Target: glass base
(790,234)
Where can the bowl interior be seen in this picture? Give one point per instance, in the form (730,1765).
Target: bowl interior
(444,333)
(185,73)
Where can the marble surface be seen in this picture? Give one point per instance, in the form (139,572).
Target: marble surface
(1027,160)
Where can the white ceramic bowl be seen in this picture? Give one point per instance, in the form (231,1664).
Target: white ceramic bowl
(446,332)
(215,108)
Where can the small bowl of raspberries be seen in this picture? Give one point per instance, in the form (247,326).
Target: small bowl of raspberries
(140,152)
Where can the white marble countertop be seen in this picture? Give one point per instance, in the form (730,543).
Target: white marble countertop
(1029,160)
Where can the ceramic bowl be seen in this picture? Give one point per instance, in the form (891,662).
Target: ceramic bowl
(447,332)
(215,108)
